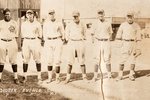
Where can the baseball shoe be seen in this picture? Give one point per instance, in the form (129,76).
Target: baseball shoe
(16,81)
(119,78)
(94,79)
(85,79)
(24,80)
(40,81)
(49,81)
(58,80)
(132,77)
(67,81)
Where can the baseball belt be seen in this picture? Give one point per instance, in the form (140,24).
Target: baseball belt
(29,38)
(54,38)
(102,39)
(6,40)
(128,40)
(76,39)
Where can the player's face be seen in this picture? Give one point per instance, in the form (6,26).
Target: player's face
(30,16)
(7,16)
(101,16)
(76,19)
(130,19)
(52,16)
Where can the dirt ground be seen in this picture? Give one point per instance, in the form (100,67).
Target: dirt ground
(29,91)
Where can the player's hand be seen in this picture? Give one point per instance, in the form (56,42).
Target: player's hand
(137,53)
(65,41)
(19,49)
(42,42)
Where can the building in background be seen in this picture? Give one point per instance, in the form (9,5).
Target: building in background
(115,9)
(19,7)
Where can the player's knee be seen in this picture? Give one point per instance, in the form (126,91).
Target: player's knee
(2,63)
(25,61)
(38,61)
(107,61)
(57,63)
(70,63)
(96,62)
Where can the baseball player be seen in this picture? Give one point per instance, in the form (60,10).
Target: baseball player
(129,35)
(31,33)
(75,35)
(53,33)
(102,33)
(8,43)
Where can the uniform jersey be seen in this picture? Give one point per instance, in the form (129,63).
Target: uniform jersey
(52,29)
(8,30)
(102,30)
(31,29)
(102,49)
(75,31)
(129,31)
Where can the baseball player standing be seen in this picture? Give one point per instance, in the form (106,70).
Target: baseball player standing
(129,34)
(102,33)
(8,43)
(31,33)
(75,35)
(53,33)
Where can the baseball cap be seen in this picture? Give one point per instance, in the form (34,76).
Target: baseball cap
(6,10)
(130,13)
(30,11)
(51,11)
(75,13)
(100,11)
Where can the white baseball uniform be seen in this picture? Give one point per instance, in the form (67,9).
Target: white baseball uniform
(53,32)
(8,44)
(30,31)
(102,47)
(129,34)
(75,34)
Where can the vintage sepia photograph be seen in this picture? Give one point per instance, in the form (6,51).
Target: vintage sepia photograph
(74,49)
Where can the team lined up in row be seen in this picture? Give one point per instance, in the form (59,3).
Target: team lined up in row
(74,34)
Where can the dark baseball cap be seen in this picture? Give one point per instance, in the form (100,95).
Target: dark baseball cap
(6,10)
(30,11)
